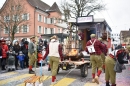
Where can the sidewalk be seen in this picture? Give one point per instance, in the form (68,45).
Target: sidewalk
(122,79)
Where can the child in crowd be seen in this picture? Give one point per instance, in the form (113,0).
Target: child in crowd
(21,58)
(40,56)
(11,59)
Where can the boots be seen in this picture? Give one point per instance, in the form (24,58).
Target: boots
(31,72)
(93,80)
(49,69)
(107,84)
(97,79)
(3,67)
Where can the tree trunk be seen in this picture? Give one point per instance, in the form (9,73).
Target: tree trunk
(12,37)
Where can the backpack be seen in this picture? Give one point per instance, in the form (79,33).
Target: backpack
(91,48)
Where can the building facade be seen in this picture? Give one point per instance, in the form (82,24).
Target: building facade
(115,39)
(125,37)
(40,17)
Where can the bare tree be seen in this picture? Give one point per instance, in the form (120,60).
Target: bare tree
(80,7)
(12,17)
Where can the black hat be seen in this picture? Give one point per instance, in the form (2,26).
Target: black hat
(119,47)
(26,42)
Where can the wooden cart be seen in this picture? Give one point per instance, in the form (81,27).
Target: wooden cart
(68,64)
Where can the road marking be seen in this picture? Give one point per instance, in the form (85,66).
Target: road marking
(7,74)
(65,82)
(45,78)
(16,78)
(92,84)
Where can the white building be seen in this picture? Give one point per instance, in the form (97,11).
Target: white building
(115,39)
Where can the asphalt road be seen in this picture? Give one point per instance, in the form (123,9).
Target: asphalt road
(17,78)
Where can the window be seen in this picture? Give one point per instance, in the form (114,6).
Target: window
(45,19)
(58,30)
(17,7)
(39,29)
(15,18)
(25,28)
(40,18)
(7,18)
(45,31)
(12,8)
(6,30)
(52,20)
(48,21)
(25,16)
(52,30)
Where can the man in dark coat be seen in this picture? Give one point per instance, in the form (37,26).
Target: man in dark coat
(24,49)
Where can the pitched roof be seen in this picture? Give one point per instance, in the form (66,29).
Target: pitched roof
(55,8)
(39,4)
(125,33)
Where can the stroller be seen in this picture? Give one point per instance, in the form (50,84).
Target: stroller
(11,60)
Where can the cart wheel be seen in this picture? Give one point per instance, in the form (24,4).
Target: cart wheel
(84,70)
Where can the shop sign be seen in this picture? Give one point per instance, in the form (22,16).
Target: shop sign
(85,19)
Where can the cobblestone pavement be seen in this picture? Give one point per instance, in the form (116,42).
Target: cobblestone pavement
(16,78)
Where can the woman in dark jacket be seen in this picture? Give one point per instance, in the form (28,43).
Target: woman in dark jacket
(9,44)
(120,54)
(16,48)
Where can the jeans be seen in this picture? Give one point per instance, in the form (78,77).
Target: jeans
(22,64)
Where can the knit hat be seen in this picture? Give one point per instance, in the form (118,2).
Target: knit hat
(92,35)
(2,40)
(54,37)
(119,47)
(20,52)
(100,39)
(32,37)
(128,47)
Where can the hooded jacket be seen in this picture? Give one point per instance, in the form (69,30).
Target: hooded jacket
(4,50)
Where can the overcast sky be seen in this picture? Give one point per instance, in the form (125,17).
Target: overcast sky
(117,13)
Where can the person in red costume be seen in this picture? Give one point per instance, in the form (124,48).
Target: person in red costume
(4,54)
(94,48)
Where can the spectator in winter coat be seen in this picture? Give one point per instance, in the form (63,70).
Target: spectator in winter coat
(54,51)
(11,59)
(21,58)
(24,49)
(40,46)
(9,44)
(4,54)
(40,56)
(0,52)
(16,48)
